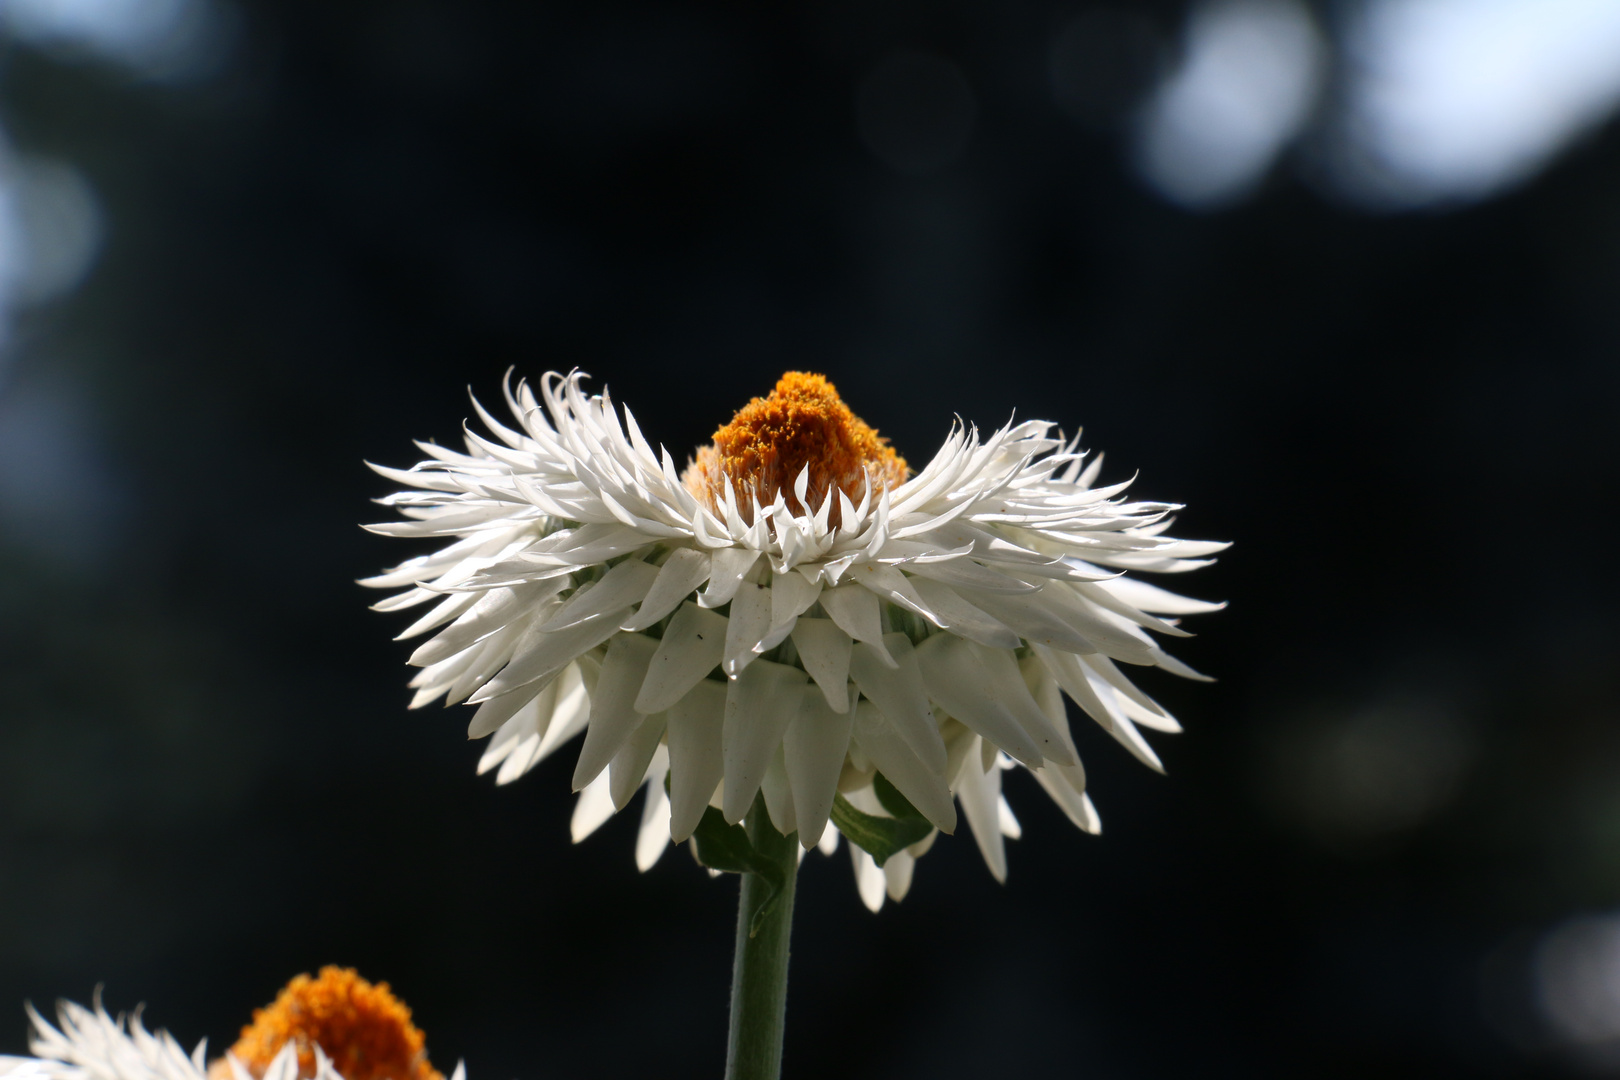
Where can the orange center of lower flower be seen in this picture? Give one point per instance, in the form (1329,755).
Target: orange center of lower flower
(364,1029)
(772,439)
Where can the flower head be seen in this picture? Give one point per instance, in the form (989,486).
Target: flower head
(795,614)
(364,1031)
(335,1027)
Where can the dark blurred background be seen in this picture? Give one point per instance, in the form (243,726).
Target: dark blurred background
(1340,277)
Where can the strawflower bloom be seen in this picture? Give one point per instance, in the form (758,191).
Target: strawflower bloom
(333,1027)
(794,613)
(793,638)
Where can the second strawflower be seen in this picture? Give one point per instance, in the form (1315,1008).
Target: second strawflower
(795,614)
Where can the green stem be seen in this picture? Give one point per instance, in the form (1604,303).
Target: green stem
(760,968)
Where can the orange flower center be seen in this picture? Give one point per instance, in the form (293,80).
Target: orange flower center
(772,439)
(364,1029)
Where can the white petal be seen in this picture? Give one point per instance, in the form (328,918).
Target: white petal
(1067,787)
(824,650)
(550,653)
(521,730)
(1140,594)
(594,807)
(1113,635)
(779,796)
(1099,701)
(760,703)
(856,612)
(747,625)
(520,760)
(1125,731)
(815,744)
(1006,821)
(692,646)
(899,693)
(889,584)
(869,879)
(613,714)
(284,1066)
(1176,667)
(455,607)
(1008,686)
(622,586)
(1030,618)
(791,594)
(969,573)
(960,617)
(956,678)
(1104,667)
(685,570)
(1047,693)
(1071,675)
(730,565)
(829,842)
(1157,721)
(897,870)
(653,837)
(569,716)
(979,792)
(497,711)
(629,766)
(895,759)
(695,766)
(776,636)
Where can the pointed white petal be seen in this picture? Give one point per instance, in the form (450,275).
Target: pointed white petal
(900,694)
(815,745)
(629,766)
(824,650)
(685,570)
(956,678)
(692,646)
(961,618)
(897,871)
(1071,675)
(1140,594)
(653,837)
(622,586)
(497,711)
(613,714)
(760,703)
(571,713)
(855,610)
(979,791)
(791,594)
(1067,787)
(779,796)
(549,653)
(1048,697)
(1006,821)
(747,625)
(695,766)
(869,879)
(888,750)
(1176,667)
(730,565)
(594,807)
(1008,686)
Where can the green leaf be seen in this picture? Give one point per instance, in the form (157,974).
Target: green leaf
(881,837)
(727,848)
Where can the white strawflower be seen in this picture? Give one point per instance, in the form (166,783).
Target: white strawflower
(795,613)
(315,1026)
